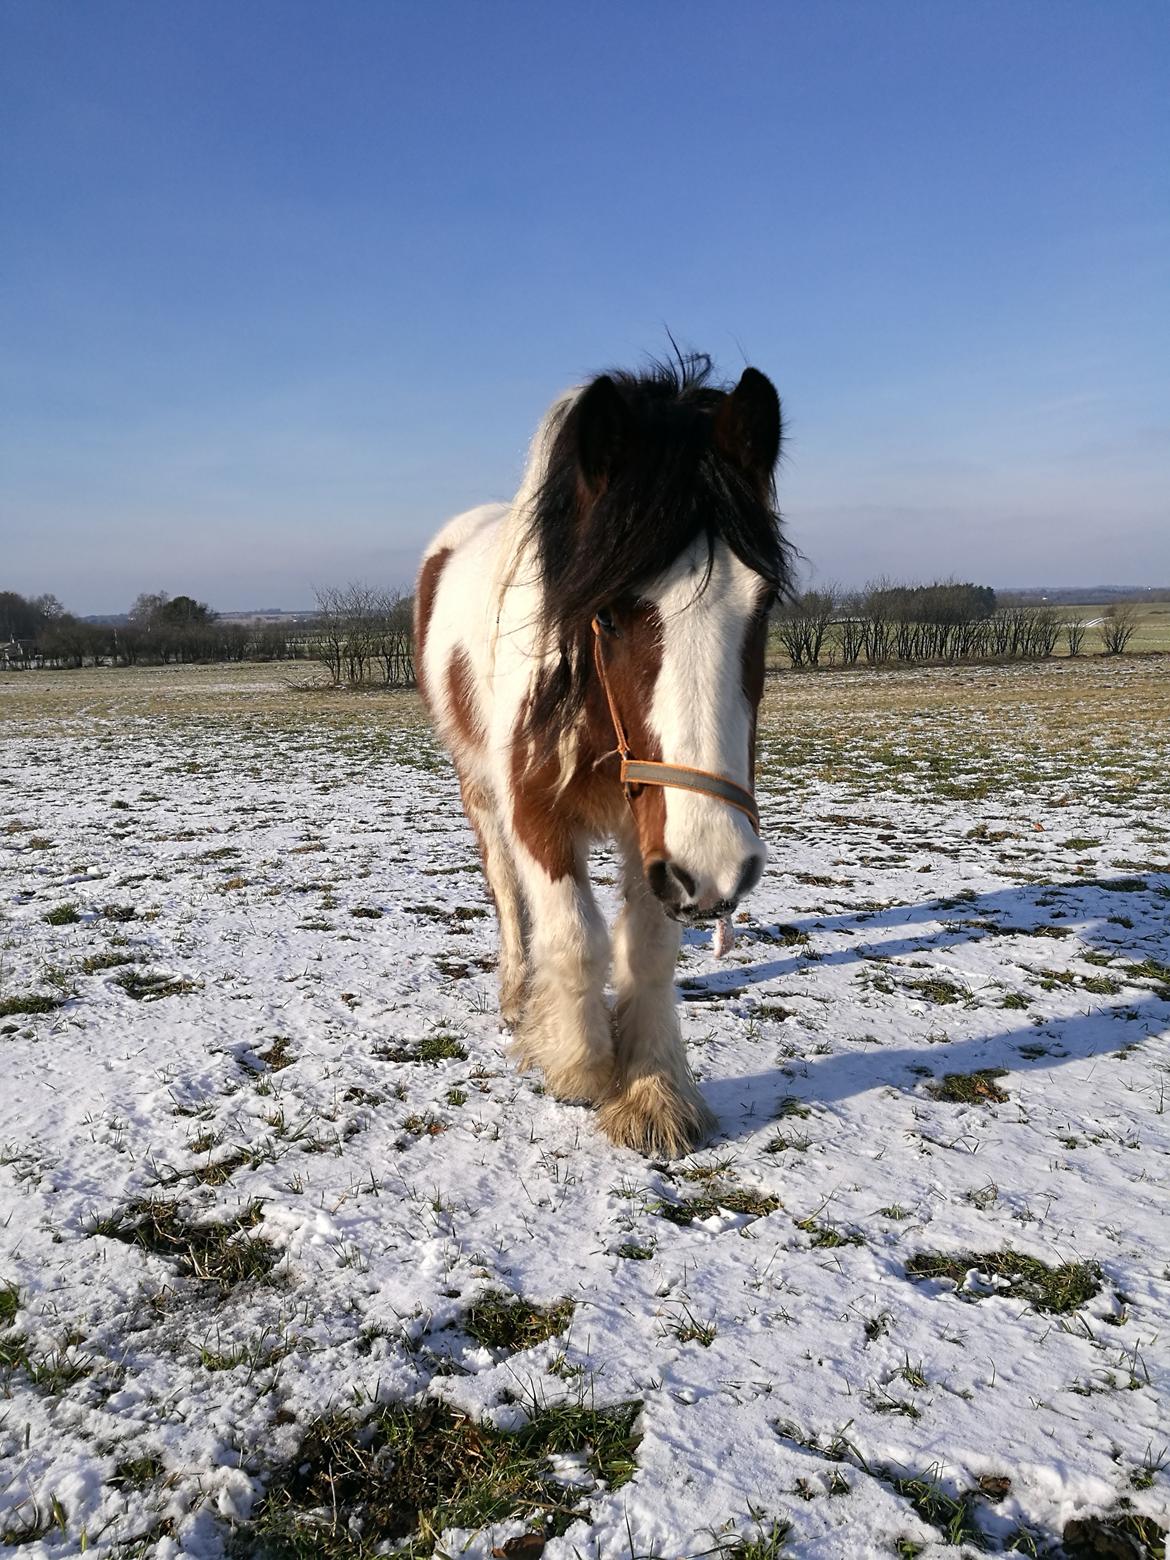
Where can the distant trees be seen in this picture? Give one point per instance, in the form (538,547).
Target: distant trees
(179,628)
(363,635)
(37,631)
(802,624)
(24,617)
(36,627)
(888,622)
(885,622)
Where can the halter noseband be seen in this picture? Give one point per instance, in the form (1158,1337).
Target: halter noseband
(637,772)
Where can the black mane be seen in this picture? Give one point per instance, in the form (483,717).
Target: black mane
(668,485)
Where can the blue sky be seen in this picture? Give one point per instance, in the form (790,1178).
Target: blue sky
(286,284)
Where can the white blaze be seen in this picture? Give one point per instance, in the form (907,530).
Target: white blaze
(700,712)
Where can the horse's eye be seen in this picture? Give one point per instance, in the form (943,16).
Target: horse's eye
(605,618)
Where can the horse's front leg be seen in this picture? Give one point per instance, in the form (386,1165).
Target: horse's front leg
(564,1027)
(504,884)
(655,1105)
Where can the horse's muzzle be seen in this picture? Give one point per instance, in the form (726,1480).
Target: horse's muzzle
(684,899)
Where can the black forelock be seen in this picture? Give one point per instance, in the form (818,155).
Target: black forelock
(670,487)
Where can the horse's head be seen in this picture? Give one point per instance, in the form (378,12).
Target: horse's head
(659,585)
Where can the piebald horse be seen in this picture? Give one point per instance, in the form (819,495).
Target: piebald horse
(592,655)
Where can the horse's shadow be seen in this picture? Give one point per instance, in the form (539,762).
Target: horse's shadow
(743,1103)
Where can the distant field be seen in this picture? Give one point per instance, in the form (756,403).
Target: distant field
(295,1263)
(1152,633)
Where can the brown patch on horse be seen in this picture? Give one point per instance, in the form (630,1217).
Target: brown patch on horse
(633,660)
(542,814)
(424,606)
(461,701)
(550,810)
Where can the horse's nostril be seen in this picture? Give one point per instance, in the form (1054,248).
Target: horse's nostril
(684,879)
(672,884)
(658,877)
(752,872)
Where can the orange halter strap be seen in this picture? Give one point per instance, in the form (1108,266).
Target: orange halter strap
(637,772)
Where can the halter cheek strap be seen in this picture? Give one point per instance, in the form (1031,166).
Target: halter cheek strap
(637,772)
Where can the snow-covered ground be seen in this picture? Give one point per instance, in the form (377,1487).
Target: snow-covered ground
(263,1156)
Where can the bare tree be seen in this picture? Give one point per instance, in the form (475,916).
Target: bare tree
(802,623)
(1074,632)
(361,633)
(395,640)
(851,629)
(1118,626)
(147,606)
(329,631)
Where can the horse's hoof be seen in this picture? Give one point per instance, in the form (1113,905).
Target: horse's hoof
(656,1116)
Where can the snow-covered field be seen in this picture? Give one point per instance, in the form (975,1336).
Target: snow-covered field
(270,1188)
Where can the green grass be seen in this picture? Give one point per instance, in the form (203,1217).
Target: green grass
(952,1515)
(278,1055)
(689,1329)
(1056,1289)
(358,1487)
(217,1171)
(9,1304)
(34,1523)
(147,986)
(727,1199)
(52,1372)
(259,1353)
(937,989)
(797,1142)
(12,1007)
(1154,970)
(438,1047)
(503,1321)
(791,1106)
(825,1236)
(225,1254)
(767,1544)
(138,1473)
(975,1088)
(783,936)
(97,962)
(63,915)
(633,1251)
(1125,1533)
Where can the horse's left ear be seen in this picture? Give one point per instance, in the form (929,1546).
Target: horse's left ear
(605,431)
(748,427)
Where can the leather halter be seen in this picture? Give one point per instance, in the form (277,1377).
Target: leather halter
(637,772)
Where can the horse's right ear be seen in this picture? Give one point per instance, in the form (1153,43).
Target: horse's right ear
(605,431)
(748,425)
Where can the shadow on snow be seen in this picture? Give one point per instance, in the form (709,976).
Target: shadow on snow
(744,1103)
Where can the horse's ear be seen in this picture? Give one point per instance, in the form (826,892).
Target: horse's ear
(747,425)
(605,429)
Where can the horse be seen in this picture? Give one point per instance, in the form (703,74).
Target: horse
(592,656)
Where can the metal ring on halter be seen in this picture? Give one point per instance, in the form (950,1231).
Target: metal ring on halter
(637,772)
